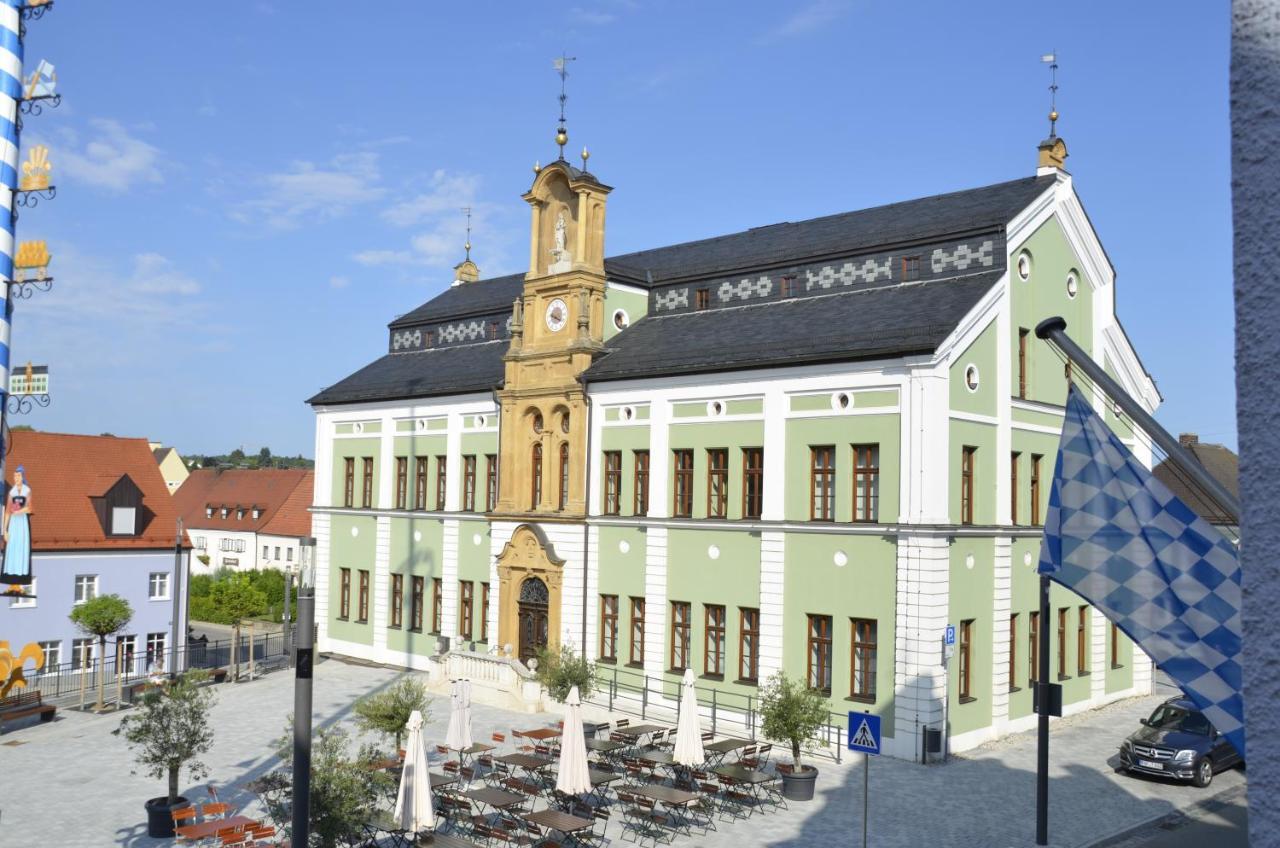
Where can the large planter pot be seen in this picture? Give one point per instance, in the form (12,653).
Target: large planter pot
(798,785)
(160,816)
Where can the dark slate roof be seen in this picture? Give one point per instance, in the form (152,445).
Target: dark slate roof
(452,370)
(482,297)
(1221,463)
(890,321)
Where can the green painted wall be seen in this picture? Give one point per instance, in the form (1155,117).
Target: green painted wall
(843,431)
(1044,295)
(982,437)
(429,446)
(982,353)
(1032,416)
(357,449)
(1028,444)
(473,565)
(627,440)
(415,556)
(863,588)
(733,435)
(621,573)
(356,553)
(861,399)
(634,304)
(970,598)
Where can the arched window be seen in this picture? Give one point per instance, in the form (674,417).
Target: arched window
(564,474)
(534,591)
(535,472)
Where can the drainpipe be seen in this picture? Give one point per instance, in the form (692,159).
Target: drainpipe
(586,527)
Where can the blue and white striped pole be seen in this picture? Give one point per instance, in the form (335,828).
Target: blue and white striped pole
(10,95)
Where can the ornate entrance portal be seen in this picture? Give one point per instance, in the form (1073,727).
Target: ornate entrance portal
(533,617)
(529,578)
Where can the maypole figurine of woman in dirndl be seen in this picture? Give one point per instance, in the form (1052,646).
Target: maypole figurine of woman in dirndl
(16,570)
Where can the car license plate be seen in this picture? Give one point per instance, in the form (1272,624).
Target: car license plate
(1151,765)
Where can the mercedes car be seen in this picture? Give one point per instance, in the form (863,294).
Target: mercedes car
(1178,742)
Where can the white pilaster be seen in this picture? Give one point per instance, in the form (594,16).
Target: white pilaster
(449,576)
(772,580)
(1001,607)
(453,461)
(660,460)
(923,583)
(1099,662)
(1004,410)
(925,489)
(775,456)
(381,581)
(320,523)
(385,497)
(655,596)
(595,423)
(593,593)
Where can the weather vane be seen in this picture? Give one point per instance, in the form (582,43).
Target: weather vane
(1051,59)
(561,64)
(466,210)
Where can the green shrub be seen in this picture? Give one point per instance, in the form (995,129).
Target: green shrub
(201,585)
(792,712)
(561,671)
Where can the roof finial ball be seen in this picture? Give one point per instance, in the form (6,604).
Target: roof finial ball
(562,138)
(537,166)
(586,154)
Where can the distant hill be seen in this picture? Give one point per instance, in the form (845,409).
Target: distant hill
(237,458)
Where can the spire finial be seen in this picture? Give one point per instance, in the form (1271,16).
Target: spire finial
(466,210)
(1051,59)
(561,64)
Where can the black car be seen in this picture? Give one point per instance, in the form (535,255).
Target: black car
(1178,741)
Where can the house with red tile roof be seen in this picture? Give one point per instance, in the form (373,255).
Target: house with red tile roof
(102,522)
(246,518)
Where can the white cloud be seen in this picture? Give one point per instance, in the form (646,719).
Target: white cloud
(578,14)
(809,19)
(339,282)
(447,194)
(310,191)
(436,212)
(155,274)
(112,158)
(383,257)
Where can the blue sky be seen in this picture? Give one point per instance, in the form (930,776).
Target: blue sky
(247,198)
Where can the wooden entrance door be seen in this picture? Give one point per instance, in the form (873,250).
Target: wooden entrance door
(533,617)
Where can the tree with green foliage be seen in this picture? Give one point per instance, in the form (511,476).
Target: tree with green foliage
(103,616)
(237,599)
(388,711)
(792,713)
(264,457)
(170,729)
(559,671)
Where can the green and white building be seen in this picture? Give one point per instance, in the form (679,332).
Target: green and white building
(807,447)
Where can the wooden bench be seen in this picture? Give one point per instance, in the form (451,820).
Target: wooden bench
(25,704)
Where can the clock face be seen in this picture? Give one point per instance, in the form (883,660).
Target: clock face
(557,315)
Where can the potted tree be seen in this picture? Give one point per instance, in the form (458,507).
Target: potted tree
(388,712)
(792,713)
(102,616)
(170,731)
(560,671)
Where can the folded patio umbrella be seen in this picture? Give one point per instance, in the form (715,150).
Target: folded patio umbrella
(413,801)
(688,750)
(459,735)
(573,778)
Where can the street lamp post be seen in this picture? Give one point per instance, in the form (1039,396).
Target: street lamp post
(302,696)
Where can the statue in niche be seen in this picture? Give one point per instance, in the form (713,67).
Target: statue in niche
(559,253)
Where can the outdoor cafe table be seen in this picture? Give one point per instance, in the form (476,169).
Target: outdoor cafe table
(445,840)
(471,750)
(675,799)
(542,734)
(717,751)
(600,781)
(206,829)
(604,746)
(438,780)
(499,799)
(742,774)
(384,822)
(558,820)
(657,758)
(528,762)
(636,732)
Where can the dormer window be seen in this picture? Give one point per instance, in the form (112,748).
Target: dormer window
(124,521)
(224,512)
(208,512)
(257,513)
(239,515)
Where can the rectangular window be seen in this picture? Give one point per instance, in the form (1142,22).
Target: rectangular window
(1013,486)
(713,640)
(681,628)
(1035,489)
(277,552)
(612,482)
(155,649)
(1062,643)
(442,468)
(702,299)
(420,482)
(364,597)
(484,612)
(717,482)
(84,653)
(1033,648)
(27,601)
(819,653)
(1082,640)
(966,661)
(535,476)
(866,483)
(349,481)
(966,484)
(563,500)
(642,482)
(1024,336)
(288,554)
(789,287)
(1013,652)
(466,610)
(126,648)
(52,656)
(910,268)
(366,496)
(437,604)
(748,644)
(397,600)
(1115,646)
(124,521)
(402,481)
(86,587)
(682,482)
(490,481)
(416,604)
(266,552)
(822,483)
(609,628)
(344,594)
(158,586)
(862,674)
(637,631)
(493,330)
(468,484)
(752,482)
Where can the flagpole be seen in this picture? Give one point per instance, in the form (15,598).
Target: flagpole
(1054,330)
(1043,709)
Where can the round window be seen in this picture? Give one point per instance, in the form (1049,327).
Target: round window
(628,413)
(841,400)
(1073,285)
(620,319)
(715,407)
(971,378)
(1024,265)
(481,420)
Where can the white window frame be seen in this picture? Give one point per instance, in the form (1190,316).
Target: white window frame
(156,649)
(151,586)
(130,640)
(288,554)
(266,552)
(77,652)
(52,648)
(91,582)
(25,602)
(117,514)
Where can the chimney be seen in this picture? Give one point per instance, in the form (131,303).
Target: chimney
(1188,439)
(465,271)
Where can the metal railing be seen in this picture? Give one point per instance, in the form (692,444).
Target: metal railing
(723,711)
(64,682)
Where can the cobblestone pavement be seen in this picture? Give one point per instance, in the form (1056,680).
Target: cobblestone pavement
(70,784)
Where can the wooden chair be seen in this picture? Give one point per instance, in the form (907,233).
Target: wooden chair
(237,838)
(186,815)
(537,838)
(498,738)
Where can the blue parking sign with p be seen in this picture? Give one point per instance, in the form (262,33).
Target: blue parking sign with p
(864,733)
(951,634)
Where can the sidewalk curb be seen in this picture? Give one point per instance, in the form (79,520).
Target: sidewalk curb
(1188,814)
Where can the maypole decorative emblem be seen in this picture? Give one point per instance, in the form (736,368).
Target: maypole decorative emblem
(12,666)
(36,170)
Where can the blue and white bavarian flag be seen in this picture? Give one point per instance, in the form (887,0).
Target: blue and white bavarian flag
(1119,538)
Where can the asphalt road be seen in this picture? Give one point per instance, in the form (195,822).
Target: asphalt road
(1220,822)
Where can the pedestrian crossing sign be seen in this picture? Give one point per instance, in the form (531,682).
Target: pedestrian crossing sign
(864,733)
